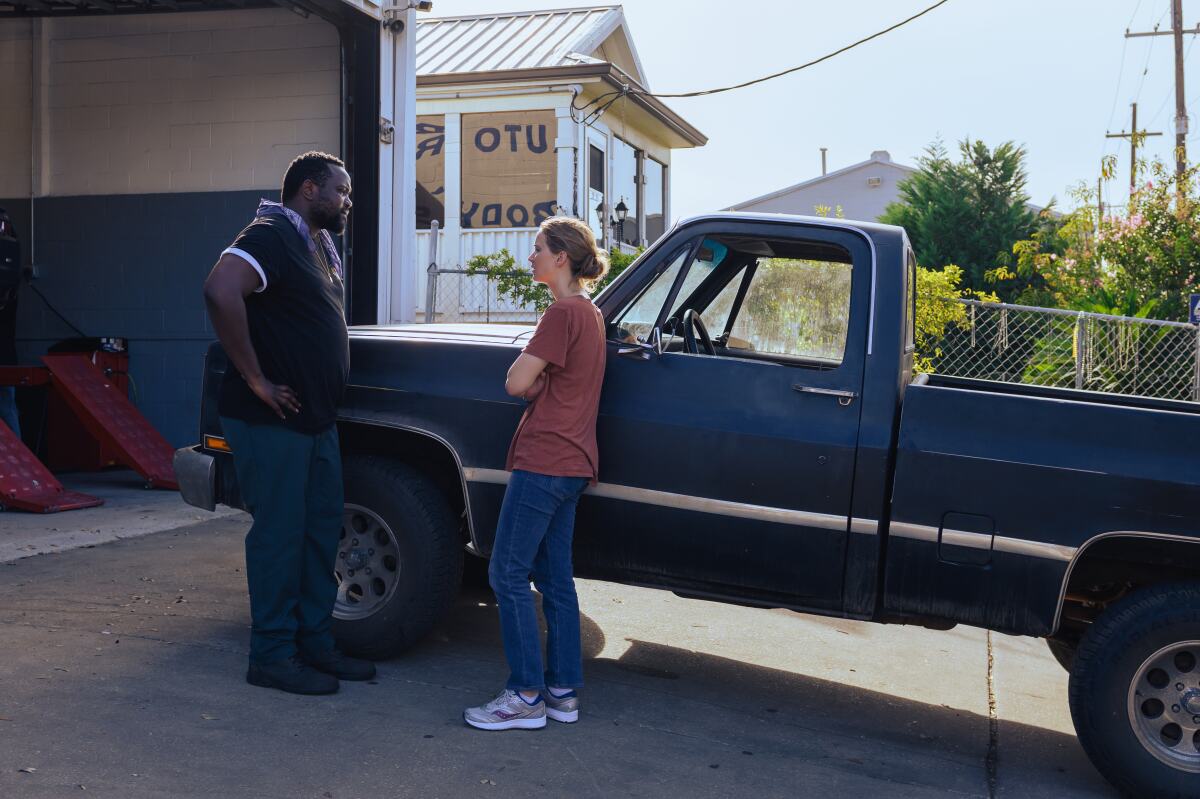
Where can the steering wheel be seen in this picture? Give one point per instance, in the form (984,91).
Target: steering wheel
(693,324)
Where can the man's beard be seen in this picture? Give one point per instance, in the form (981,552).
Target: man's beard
(330,218)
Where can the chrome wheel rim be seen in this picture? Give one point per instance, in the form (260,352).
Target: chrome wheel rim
(367,566)
(1164,705)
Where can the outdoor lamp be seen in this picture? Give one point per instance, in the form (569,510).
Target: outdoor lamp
(622,211)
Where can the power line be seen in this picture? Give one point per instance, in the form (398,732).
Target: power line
(1149,52)
(1181,119)
(1121,70)
(814,62)
(604,101)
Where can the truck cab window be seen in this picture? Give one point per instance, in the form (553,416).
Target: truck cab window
(795,307)
(637,320)
(771,297)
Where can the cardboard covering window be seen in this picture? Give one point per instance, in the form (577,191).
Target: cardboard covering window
(508,169)
(431,170)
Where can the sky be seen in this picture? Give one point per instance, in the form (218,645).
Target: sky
(1051,75)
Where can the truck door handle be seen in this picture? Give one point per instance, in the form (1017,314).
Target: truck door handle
(843,397)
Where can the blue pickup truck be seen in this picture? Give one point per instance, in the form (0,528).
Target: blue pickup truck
(765,441)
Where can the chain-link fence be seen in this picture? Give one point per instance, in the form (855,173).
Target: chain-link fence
(457,295)
(1072,349)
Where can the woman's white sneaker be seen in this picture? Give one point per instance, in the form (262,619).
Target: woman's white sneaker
(564,707)
(508,711)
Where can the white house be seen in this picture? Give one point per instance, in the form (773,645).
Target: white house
(862,190)
(521,116)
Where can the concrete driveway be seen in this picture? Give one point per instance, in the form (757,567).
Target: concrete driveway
(123,676)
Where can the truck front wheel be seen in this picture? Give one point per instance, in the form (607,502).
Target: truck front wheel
(1063,651)
(399,560)
(1135,692)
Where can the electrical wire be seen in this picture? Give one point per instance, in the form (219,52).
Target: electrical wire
(814,62)
(604,101)
(1171,92)
(56,311)
(1120,78)
(1149,52)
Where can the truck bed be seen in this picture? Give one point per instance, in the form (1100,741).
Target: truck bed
(999,488)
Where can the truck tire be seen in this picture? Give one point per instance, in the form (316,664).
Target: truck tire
(1135,692)
(399,560)
(1063,651)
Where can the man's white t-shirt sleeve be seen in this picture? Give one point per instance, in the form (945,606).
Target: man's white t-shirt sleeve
(250,259)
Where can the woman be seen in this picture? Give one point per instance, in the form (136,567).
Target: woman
(552,459)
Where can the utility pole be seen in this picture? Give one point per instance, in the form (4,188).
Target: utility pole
(1135,137)
(1181,118)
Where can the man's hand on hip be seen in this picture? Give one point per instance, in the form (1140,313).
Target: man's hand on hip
(279,398)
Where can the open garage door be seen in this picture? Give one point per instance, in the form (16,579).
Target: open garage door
(137,137)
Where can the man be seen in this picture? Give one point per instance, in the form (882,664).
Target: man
(275,300)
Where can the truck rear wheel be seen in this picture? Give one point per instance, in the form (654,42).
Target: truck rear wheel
(399,559)
(1135,692)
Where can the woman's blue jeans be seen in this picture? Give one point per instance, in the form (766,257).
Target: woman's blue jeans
(533,539)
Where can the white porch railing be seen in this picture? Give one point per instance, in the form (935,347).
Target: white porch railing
(459,298)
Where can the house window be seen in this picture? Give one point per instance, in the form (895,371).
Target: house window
(655,187)
(431,171)
(625,194)
(508,169)
(596,205)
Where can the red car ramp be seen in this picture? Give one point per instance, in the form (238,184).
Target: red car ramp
(26,484)
(112,419)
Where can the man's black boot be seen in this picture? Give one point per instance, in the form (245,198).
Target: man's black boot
(341,666)
(291,675)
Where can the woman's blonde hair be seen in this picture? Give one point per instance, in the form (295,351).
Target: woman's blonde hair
(572,236)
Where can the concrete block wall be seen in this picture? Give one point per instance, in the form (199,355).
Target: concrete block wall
(143,284)
(161,132)
(16,110)
(188,102)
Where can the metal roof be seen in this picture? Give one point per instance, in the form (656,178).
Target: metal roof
(520,40)
(67,9)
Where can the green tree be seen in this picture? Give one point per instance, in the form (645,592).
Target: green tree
(969,212)
(1143,262)
(937,310)
(1154,251)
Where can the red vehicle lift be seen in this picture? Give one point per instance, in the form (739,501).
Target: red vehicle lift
(104,412)
(24,482)
(112,419)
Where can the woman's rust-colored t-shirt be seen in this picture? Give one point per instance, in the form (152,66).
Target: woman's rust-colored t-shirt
(557,434)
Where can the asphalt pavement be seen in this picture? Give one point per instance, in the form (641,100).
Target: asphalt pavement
(123,671)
